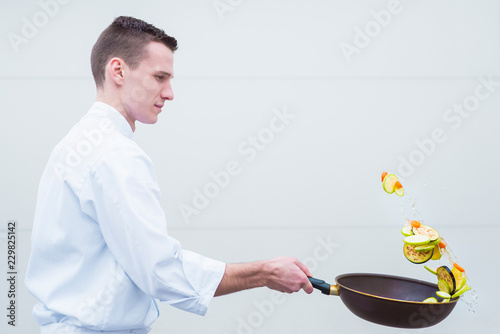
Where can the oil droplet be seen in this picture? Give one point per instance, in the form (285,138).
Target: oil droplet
(471,304)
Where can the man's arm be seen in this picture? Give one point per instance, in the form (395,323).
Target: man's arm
(282,274)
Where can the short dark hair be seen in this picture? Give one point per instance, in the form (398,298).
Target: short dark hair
(126,37)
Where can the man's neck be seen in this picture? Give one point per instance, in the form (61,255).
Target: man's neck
(114,102)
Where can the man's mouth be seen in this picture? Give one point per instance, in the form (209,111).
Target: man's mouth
(159,106)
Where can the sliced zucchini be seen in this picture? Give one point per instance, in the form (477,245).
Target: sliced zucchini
(389,183)
(406,231)
(445,300)
(443,286)
(416,257)
(399,191)
(465,288)
(424,248)
(428,231)
(430,300)
(416,240)
(444,273)
(431,269)
(435,242)
(443,295)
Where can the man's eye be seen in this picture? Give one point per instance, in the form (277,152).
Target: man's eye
(159,77)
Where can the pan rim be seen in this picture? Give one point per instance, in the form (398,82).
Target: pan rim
(454,300)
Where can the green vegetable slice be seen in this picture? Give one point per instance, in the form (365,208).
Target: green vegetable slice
(461,291)
(406,231)
(389,183)
(417,240)
(430,269)
(424,248)
(443,295)
(399,191)
(435,242)
(430,300)
(443,286)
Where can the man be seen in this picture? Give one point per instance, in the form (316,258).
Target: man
(101,254)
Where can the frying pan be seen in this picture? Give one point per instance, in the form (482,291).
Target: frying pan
(388,300)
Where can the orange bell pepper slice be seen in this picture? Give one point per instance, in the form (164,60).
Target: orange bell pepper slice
(384,174)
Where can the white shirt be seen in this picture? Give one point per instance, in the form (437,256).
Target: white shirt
(100,249)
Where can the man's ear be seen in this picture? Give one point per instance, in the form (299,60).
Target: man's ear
(116,70)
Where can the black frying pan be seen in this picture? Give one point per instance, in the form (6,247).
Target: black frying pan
(388,300)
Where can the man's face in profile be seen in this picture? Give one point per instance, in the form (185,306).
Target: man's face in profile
(146,88)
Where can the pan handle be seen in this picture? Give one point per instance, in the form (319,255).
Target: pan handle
(327,289)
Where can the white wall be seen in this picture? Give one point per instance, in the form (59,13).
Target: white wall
(317,181)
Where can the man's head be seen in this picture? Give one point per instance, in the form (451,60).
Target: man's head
(126,38)
(132,64)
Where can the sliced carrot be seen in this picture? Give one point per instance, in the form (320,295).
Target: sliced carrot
(398,185)
(384,174)
(442,244)
(456,265)
(415,223)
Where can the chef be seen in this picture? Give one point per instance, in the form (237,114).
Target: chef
(101,255)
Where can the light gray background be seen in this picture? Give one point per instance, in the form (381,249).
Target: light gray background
(318,181)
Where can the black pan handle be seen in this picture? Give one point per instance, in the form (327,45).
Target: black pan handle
(324,287)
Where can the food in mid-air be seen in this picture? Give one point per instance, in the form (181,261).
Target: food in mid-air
(423,243)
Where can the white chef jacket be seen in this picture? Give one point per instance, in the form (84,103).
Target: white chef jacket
(100,252)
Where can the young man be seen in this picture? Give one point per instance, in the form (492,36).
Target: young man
(100,253)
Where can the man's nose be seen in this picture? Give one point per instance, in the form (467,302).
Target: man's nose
(167,93)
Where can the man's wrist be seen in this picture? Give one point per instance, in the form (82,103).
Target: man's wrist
(263,273)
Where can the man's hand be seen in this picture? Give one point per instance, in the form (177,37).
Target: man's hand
(284,274)
(288,275)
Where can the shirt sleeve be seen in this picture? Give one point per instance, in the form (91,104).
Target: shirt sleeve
(123,196)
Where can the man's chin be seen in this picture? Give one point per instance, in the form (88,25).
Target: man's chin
(151,120)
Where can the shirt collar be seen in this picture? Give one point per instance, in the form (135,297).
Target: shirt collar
(120,123)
